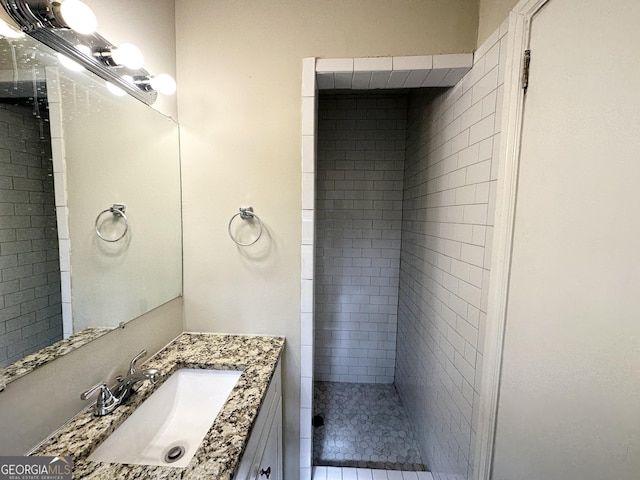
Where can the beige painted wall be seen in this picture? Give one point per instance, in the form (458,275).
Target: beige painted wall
(239,74)
(35,405)
(492,14)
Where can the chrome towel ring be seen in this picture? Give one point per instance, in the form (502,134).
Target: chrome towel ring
(118,210)
(245,213)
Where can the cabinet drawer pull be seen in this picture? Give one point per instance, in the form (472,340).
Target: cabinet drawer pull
(266,472)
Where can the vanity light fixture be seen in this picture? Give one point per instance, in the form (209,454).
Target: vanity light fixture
(72,64)
(69,64)
(76,15)
(163,83)
(126,54)
(67,14)
(64,24)
(117,91)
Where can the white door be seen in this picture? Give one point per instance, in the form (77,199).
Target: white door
(569,405)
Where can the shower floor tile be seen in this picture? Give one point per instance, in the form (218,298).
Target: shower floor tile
(365,426)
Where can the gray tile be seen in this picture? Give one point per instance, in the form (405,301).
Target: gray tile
(365,426)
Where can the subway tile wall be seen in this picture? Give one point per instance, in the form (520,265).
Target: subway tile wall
(360,165)
(453,139)
(30,299)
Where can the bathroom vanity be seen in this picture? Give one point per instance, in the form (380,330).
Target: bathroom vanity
(243,443)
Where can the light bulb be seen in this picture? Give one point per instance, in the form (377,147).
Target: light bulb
(163,83)
(117,91)
(84,49)
(68,63)
(128,55)
(78,16)
(7,31)
(72,64)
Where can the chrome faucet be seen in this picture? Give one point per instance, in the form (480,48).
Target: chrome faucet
(110,398)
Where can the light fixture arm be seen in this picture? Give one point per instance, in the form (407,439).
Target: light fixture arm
(143,82)
(35,14)
(41,20)
(106,57)
(28,16)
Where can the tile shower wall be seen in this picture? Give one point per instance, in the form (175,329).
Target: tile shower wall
(360,164)
(453,141)
(30,303)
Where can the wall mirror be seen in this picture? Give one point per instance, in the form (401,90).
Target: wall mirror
(71,149)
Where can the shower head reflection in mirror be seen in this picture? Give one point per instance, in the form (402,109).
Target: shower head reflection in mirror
(53,267)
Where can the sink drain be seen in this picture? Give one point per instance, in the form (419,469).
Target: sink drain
(174,454)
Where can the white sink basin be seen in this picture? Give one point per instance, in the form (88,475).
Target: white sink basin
(178,414)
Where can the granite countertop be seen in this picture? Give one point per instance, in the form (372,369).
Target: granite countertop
(41,357)
(221,450)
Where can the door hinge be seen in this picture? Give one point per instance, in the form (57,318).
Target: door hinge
(526,61)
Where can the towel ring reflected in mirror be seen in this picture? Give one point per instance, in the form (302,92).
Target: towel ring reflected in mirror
(117,210)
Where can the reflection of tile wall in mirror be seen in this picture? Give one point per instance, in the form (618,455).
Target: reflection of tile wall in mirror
(113,150)
(31,314)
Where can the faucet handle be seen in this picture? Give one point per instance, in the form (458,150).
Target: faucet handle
(92,390)
(132,367)
(105,402)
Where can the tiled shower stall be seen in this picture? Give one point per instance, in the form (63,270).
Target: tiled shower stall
(406,186)
(359,190)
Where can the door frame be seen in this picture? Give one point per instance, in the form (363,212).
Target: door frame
(518,38)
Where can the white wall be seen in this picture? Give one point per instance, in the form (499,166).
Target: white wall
(239,74)
(453,140)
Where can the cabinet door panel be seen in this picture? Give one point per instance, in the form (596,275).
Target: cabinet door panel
(269,467)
